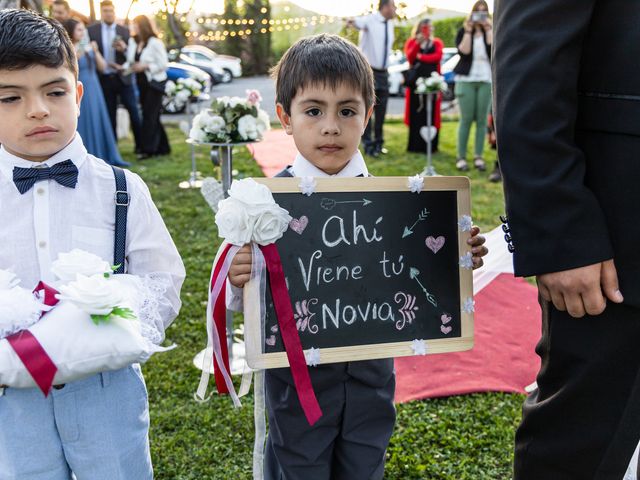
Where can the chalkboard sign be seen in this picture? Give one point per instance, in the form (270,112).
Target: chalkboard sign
(373,270)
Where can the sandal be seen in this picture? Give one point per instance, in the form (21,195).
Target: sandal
(478,162)
(461,165)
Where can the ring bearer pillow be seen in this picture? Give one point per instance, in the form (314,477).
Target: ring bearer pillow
(86,322)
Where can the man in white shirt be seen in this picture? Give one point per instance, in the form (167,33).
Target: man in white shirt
(376,40)
(116,86)
(55,197)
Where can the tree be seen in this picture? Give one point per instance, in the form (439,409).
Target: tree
(257,51)
(234,42)
(174,25)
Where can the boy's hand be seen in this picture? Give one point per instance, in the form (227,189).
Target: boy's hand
(240,270)
(581,290)
(478,250)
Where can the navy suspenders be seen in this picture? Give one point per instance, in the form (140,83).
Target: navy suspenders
(121,199)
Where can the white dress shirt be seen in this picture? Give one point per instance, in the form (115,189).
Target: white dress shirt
(372,38)
(108,33)
(50,219)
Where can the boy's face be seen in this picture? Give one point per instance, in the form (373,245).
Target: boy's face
(39,110)
(326,124)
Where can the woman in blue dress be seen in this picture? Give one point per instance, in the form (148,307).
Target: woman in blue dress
(94,125)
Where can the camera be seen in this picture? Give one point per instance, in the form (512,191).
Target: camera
(479,16)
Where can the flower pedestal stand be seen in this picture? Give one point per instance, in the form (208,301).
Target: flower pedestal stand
(194,181)
(429,170)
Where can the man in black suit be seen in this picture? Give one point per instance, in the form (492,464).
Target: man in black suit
(567,105)
(112,41)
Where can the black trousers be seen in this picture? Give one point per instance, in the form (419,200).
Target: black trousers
(115,91)
(381,78)
(154,139)
(583,421)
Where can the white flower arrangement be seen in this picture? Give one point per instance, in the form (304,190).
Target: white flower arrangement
(251,214)
(183,89)
(433,84)
(231,120)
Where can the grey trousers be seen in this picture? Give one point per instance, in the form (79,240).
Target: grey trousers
(347,443)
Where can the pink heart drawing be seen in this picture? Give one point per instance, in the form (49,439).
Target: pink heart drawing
(444,329)
(444,318)
(271,341)
(435,244)
(299,224)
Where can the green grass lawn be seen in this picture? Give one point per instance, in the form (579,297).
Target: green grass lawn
(464,437)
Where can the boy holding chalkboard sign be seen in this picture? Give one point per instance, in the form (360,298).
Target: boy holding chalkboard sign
(325,95)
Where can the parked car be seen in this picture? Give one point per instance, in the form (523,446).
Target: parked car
(174,72)
(398,64)
(216,73)
(204,57)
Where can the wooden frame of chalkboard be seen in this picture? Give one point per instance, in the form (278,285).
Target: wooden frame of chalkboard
(404,302)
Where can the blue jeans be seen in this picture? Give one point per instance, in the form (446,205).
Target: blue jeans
(96,428)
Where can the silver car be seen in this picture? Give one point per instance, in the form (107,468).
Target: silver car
(201,56)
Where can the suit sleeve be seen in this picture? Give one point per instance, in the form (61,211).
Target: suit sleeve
(556,223)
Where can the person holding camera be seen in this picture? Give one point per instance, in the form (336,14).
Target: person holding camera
(473,82)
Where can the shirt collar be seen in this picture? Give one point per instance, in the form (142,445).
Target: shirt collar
(304,168)
(74,151)
(380,17)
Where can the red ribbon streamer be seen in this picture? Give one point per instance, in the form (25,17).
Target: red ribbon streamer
(290,337)
(220,324)
(33,356)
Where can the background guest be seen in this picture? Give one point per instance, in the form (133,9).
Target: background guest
(93,124)
(117,84)
(424,52)
(61,11)
(147,57)
(473,82)
(376,39)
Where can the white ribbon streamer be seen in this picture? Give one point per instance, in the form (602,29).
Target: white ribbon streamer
(214,341)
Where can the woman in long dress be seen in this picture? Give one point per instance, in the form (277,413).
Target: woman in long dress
(94,125)
(424,52)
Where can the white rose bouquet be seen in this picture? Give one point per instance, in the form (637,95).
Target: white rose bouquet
(433,84)
(231,120)
(183,89)
(251,214)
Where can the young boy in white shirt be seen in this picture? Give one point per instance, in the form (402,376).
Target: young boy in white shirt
(324,95)
(55,197)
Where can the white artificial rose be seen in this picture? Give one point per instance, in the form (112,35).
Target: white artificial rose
(213,124)
(197,135)
(248,127)
(270,225)
(264,122)
(95,295)
(77,261)
(233,221)
(252,193)
(169,87)
(8,280)
(198,120)
(235,101)
(183,96)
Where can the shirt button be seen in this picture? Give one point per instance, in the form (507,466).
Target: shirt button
(40,191)
(42,244)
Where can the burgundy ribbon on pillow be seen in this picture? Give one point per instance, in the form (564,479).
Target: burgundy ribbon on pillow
(290,337)
(33,356)
(220,324)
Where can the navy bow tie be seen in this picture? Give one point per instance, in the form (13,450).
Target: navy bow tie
(65,173)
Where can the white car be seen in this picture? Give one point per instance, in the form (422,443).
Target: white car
(398,64)
(204,57)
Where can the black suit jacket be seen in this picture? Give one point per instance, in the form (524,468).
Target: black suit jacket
(567,112)
(95,35)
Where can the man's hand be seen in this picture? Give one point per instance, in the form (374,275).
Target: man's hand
(581,290)
(240,269)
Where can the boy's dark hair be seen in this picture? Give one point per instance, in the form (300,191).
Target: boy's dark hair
(28,39)
(64,3)
(383,3)
(322,60)
(106,3)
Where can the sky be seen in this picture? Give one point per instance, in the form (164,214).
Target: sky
(339,8)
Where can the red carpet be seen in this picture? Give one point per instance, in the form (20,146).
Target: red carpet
(507,328)
(274,152)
